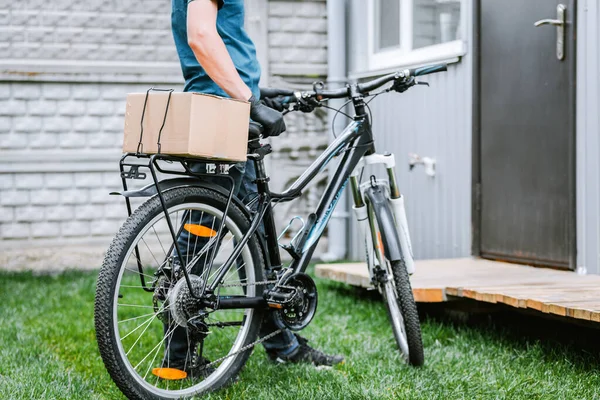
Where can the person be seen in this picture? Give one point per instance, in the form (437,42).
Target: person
(218,57)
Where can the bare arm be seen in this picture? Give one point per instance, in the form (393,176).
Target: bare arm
(210,51)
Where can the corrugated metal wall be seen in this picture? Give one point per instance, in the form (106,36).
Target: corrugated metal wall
(432,122)
(588,136)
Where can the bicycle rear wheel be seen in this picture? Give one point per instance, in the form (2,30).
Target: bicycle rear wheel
(141,329)
(397,294)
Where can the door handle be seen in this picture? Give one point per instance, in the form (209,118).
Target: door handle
(560,23)
(555,22)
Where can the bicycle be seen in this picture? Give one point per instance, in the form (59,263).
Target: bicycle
(172,262)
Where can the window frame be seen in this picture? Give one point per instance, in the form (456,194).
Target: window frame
(405,55)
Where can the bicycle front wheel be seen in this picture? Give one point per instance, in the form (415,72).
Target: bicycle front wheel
(156,341)
(403,314)
(398,295)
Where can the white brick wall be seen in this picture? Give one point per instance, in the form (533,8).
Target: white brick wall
(49,119)
(43,126)
(297,47)
(86,30)
(60,141)
(298,37)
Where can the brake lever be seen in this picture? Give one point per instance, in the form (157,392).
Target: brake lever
(422,83)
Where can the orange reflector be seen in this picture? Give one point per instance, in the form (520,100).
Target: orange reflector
(199,230)
(170,374)
(380,242)
(275,305)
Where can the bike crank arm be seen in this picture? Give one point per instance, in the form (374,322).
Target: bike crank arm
(240,302)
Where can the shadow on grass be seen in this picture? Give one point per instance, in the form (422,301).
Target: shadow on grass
(558,338)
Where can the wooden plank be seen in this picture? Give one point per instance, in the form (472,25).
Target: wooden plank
(426,295)
(579,313)
(549,291)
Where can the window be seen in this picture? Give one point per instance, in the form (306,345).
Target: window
(412,32)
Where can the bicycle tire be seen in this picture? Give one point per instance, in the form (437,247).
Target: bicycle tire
(400,305)
(409,312)
(118,368)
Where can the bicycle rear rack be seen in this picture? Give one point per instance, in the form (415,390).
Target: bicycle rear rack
(215,169)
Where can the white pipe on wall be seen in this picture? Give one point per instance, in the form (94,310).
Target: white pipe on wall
(337,244)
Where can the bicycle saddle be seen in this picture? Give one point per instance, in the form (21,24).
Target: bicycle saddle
(254,131)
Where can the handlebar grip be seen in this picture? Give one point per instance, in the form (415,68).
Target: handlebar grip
(287,100)
(431,69)
(272,92)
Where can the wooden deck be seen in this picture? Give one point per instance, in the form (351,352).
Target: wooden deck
(549,291)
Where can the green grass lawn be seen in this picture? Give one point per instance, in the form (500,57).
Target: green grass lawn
(48,350)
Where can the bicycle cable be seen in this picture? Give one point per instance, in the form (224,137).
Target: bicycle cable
(337,111)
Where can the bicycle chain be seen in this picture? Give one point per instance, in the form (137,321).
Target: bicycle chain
(249,345)
(246,347)
(247,284)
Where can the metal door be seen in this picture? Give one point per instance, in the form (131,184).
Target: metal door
(527,131)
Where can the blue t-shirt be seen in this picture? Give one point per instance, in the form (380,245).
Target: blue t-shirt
(230,25)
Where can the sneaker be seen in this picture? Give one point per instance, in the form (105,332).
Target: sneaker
(306,354)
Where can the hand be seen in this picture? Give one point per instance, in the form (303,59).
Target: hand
(271,120)
(276,103)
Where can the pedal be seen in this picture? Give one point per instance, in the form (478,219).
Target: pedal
(280,296)
(299,293)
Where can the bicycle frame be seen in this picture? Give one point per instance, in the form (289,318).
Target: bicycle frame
(354,142)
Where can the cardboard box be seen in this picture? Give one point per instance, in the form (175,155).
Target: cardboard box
(197,125)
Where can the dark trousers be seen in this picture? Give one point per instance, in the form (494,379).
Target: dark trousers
(177,347)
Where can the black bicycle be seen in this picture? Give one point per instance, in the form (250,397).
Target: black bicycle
(193,256)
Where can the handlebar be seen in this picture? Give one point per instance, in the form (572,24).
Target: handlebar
(354,90)
(366,87)
(431,69)
(271,92)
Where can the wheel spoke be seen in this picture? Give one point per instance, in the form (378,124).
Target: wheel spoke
(168,334)
(139,336)
(196,239)
(148,247)
(159,241)
(134,318)
(133,286)
(143,323)
(216,238)
(134,305)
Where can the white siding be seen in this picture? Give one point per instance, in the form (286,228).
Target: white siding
(588,136)
(432,122)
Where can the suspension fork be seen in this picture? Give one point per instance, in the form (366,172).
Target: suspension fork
(396,201)
(366,223)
